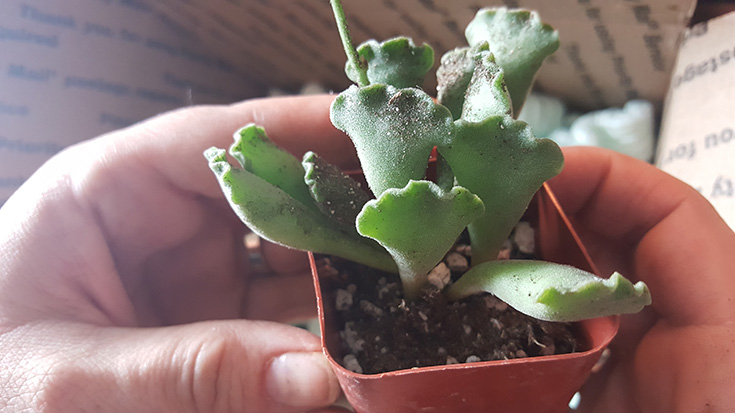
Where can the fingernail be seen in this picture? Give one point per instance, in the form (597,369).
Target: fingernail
(302,380)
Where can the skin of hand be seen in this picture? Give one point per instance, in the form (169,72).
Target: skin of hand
(678,355)
(123,282)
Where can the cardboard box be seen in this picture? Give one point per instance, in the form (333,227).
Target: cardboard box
(610,52)
(697,140)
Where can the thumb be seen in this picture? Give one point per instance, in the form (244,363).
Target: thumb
(215,366)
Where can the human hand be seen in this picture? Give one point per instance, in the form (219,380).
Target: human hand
(115,252)
(677,354)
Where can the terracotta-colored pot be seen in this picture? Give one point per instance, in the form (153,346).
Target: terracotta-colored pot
(535,384)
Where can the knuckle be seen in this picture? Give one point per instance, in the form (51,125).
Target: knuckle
(214,379)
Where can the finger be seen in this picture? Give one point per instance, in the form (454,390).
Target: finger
(282,298)
(202,278)
(205,367)
(282,260)
(637,218)
(285,293)
(173,143)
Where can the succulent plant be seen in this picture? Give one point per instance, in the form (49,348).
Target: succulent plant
(490,165)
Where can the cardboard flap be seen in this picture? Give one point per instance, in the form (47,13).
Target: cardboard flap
(611,51)
(697,141)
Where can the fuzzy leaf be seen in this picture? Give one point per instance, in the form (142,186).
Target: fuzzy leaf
(256,153)
(417,225)
(500,161)
(397,62)
(486,93)
(553,292)
(444,174)
(520,43)
(453,76)
(394,131)
(336,194)
(278,217)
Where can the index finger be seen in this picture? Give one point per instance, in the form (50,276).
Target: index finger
(174,142)
(648,225)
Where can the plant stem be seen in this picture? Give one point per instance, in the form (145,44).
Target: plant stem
(344,34)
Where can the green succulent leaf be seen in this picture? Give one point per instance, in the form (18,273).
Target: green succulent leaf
(393,130)
(453,76)
(397,62)
(444,174)
(486,93)
(277,216)
(500,161)
(553,292)
(256,153)
(418,224)
(336,194)
(520,43)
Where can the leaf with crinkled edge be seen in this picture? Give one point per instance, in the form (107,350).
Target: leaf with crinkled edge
(256,153)
(553,292)
(393,130)
(486,93)
(397,62)
(454,75)
(418,224)
(336,194)
(500,161)
(520,43)
(278,217)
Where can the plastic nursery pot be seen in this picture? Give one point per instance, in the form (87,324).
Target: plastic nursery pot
(535,384)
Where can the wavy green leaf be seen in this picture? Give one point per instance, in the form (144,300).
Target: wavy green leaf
(519,41)
(453,76)
(417,225)
(397,62)
(486,93)
(444,174)
(553,292)
(336,194)
(500,161)
(393,130)
(277,216)
(258,154)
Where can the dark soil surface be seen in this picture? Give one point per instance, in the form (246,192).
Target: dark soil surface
(383,332)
